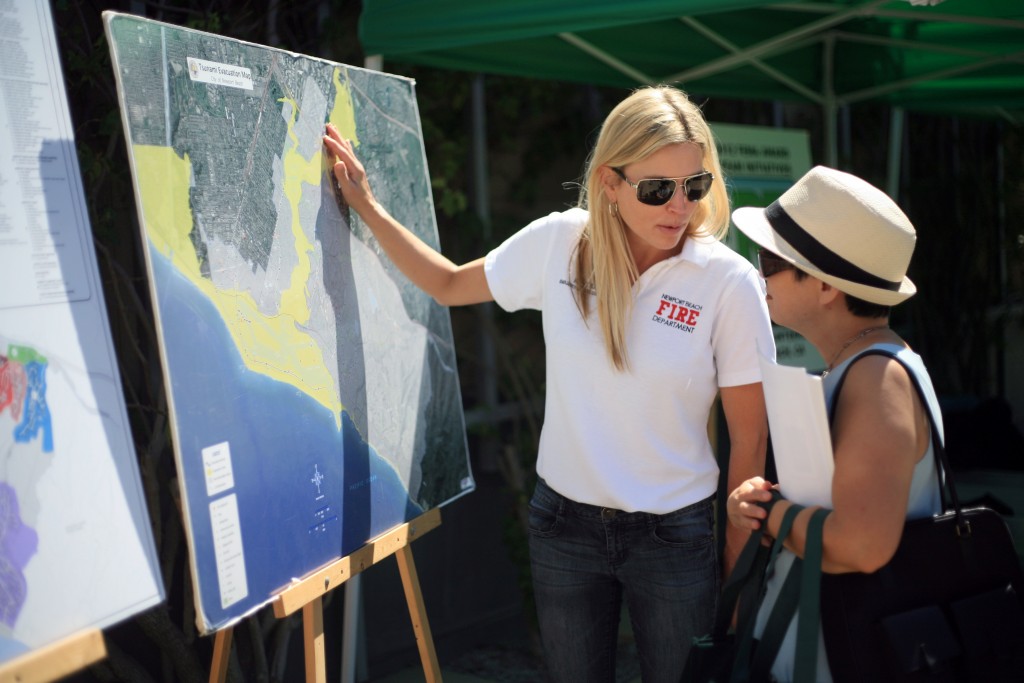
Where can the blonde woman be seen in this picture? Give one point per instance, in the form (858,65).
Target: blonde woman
(646,318)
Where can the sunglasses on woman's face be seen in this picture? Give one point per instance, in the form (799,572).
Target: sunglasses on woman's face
(658,191)
(769,264)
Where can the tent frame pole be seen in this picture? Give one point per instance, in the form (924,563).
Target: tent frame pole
(893,166)
(487,379)
(830,106)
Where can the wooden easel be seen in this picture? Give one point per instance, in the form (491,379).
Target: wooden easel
(308,594)
(56,660)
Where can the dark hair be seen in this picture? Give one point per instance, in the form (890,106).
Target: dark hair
(857,306)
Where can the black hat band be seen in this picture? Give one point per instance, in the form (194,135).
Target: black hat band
(820,256)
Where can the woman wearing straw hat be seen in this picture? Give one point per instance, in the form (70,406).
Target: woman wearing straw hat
(834,256)
(647,317)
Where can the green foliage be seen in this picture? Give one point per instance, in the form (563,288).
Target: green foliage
(448,200)
(210,23)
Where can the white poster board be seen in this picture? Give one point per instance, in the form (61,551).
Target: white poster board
(76,548)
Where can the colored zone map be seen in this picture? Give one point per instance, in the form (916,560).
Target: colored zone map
(314,393)
(23,397)
(66,488)
(23,393)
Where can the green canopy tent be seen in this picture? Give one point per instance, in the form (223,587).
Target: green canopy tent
(957,56)
(962,57)
(953,56)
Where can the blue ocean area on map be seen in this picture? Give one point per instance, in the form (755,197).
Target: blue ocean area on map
(285,447)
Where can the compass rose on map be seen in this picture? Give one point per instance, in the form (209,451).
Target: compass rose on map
(318,478)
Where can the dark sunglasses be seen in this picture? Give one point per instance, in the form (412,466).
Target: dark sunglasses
(658,191)
(769,264)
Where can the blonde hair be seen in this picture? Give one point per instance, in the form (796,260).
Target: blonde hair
(648,120)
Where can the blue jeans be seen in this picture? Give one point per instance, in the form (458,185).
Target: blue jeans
(585,559)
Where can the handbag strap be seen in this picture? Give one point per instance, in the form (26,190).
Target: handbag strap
(784,528)
(809,623)
(775,629)
(744,585)
(746,571)
(943,471)
(785,605)
(801,587)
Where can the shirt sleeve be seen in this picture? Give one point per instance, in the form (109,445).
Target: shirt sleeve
(516,269)
(742,330)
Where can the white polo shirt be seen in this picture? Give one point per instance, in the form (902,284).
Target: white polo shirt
(635,440)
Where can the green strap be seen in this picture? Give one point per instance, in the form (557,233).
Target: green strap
(802,587)
(778,623)
(749,595)
(752,590)
(744,586)
(747,570)
(809,623)
(784,528)
(745,647)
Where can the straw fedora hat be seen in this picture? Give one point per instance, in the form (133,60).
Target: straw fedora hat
(841,230)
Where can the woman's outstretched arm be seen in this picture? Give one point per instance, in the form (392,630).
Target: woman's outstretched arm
(448,283)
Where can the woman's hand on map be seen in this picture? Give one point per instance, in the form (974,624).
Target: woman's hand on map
(349,172)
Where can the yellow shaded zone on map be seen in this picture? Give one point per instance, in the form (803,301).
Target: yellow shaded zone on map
(272,345)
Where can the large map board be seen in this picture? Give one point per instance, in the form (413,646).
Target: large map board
(314,395)
(76,548)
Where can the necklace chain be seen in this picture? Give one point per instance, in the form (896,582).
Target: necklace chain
(860,335)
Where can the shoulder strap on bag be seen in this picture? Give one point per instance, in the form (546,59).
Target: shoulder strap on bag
(947,487)
(747,569)
(744,586)
(809,622)
(785,603)
(784,528)
(802,587)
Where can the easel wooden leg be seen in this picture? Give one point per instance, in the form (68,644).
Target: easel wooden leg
(418,613)
(221,655)
(313,637)
(307,595)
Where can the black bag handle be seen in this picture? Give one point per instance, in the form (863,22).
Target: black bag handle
(942,469)
(800,589)
(748,569)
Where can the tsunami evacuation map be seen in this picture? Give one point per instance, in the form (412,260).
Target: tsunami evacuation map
(313,389)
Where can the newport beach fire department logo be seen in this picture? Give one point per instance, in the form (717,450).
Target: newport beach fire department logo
(677,313)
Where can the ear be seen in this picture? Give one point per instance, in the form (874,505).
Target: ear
(610,182)
(827,294)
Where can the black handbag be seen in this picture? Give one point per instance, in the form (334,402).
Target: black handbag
(947,607)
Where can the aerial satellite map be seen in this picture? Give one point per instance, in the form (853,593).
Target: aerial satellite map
(313,389)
